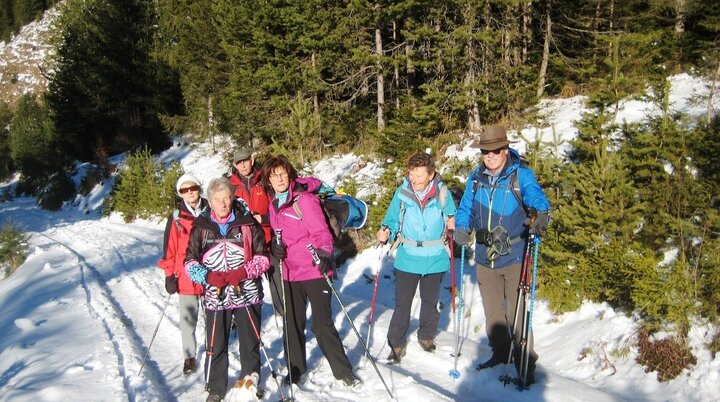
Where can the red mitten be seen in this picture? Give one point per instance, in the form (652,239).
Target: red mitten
(236,276)
(217,279)
(256,266)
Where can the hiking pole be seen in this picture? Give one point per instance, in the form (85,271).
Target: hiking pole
(273,373)
(374,295)
(525,357)
(453,373)
(278,239)
(522,289)
(212,345)
(167,301)
(316,259)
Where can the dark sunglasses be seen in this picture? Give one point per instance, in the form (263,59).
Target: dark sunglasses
(191,188)
(493,151)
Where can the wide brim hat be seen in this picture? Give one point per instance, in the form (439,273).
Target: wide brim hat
(493,137)
(242,154)
(187,178)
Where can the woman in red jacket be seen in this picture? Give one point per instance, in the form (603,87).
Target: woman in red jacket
(177,235)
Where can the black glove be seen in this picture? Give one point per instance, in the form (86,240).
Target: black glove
(278,251)
(462,237)
(538,222)
(171,284)
(484,236)
(327,262)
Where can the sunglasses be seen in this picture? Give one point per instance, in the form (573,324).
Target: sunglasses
(191,188)
(493,151)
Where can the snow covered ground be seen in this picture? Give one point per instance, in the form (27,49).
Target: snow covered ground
(80,314)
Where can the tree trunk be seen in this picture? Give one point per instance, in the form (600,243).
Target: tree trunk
(316,98)
(680,11)
(410,69)
(396,69)
(211,124)
(710,109)
(610,25)
(380,82)
(471,74)
(546,53)
(526,30)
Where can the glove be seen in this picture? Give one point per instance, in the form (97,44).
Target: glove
(217,279)
(278,251)
(236,276)
(537,222)
(171,284)
(327,262)
(256,266)
(196,271)
(462,237)
(484,236)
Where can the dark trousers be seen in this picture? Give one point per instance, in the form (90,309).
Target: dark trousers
(405,286)
(217,327)
(499,291)
(319,294)
(274,280)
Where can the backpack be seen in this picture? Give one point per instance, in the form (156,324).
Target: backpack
(341,211)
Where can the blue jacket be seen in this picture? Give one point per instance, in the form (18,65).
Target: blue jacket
(420,223)
(495,205)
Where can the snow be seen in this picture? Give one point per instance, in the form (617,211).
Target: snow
(80,315)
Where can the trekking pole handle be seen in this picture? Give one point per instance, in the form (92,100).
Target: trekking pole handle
(278,236)
(314,254)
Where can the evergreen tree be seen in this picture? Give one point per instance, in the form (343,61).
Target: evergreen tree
(104,90)
(6,165)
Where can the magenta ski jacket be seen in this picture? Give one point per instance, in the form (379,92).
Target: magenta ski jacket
(298,232)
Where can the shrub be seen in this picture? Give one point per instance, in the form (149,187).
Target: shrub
(13,247)
(143,189)
(668,356)
(59,188)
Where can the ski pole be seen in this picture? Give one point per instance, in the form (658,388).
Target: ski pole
(167,301)
(316,259)
(273,372)
(453,373)
(212,345)
(278,239)
(525,362)
(374,295)
(522,289)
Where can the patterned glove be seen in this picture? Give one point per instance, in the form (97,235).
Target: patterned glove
(257,266)
(462,237)
(196,271)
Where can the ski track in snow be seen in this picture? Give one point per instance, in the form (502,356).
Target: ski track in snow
(104,307)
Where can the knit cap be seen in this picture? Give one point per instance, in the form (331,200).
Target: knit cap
(187,177)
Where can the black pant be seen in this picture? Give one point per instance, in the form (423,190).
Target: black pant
(217,327)
(319,294)
(405,286)
(274,280)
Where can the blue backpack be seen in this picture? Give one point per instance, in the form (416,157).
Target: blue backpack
(341,211)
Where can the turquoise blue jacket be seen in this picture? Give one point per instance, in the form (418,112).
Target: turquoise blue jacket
(420,223)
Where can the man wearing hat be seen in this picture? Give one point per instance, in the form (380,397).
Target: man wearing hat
(500,196)
(245,177)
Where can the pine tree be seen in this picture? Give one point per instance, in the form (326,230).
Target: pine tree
(32,143)
(6,165)
(104,90)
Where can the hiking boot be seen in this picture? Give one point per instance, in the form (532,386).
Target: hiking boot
(214,398)
(428,345)
(295,380)
(189,366)
(492,362)
(396,354)
(351,380)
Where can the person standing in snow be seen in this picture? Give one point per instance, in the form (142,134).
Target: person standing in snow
(225,254)
(303,280)
(245,176)
(490,208)
(419,217)
(177,235)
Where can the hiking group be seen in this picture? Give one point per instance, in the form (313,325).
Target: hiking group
(267,220)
